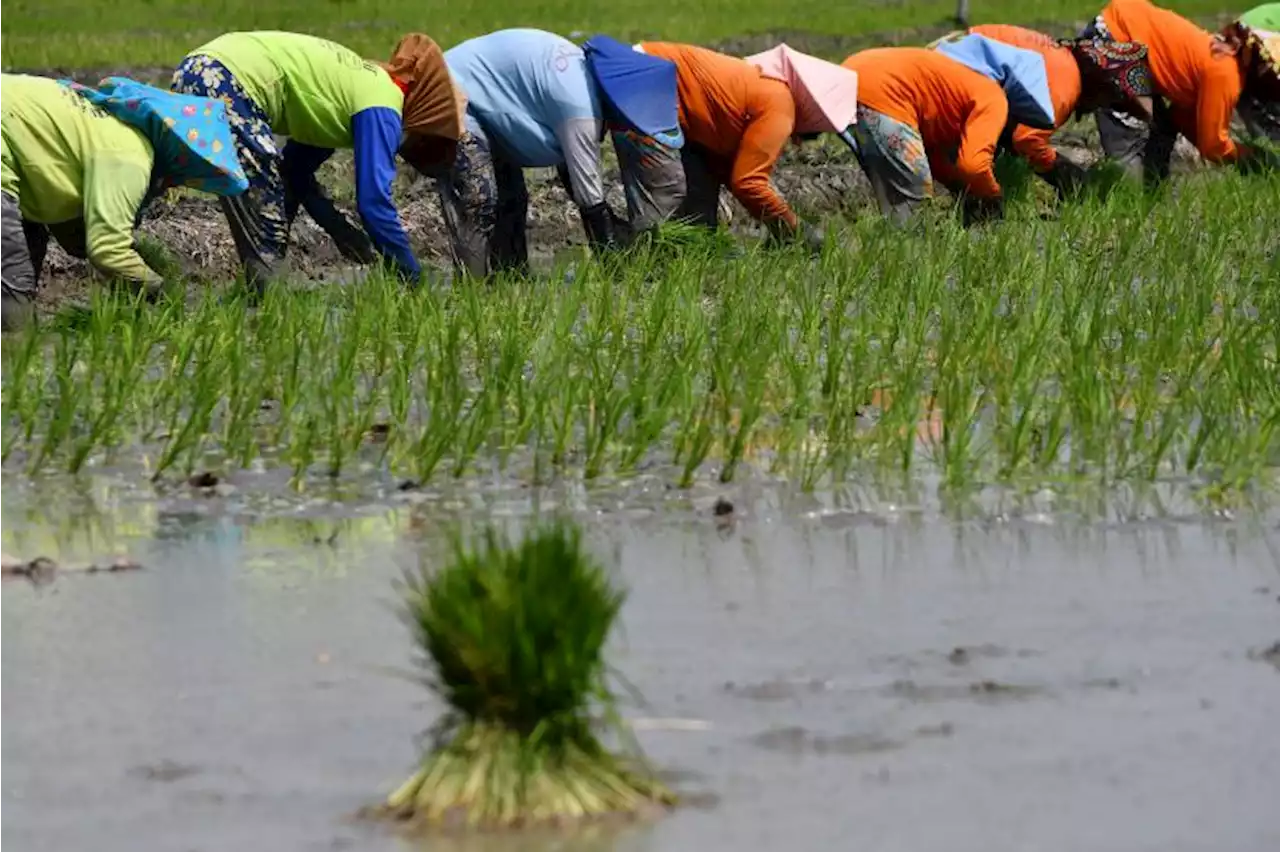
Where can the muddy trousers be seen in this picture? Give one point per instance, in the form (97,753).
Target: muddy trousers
(1143,150)
(664,183)
(893,157)
(485,202)
(279,183)
(261,218)
(23,245)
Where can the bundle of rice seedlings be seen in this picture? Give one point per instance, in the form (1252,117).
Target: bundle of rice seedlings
(674,238)
(512,639)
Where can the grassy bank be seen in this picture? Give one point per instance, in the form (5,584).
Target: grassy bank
(1132,339)
(137,33)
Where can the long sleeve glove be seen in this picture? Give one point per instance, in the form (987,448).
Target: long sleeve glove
(980,210)
(1065,177)
(601,232)
(811,235)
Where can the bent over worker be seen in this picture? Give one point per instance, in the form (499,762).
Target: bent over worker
(1083,75)
(737,116)
(78,164)
(535,99)
(1197,82)
(921,116)
(1256,35)
(323,96)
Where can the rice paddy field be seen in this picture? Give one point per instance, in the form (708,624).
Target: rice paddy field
(950,538)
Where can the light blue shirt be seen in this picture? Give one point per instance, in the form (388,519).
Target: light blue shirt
(533,95)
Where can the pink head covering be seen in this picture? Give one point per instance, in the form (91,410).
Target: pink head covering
(826,94)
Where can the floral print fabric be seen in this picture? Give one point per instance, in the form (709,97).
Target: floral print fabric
(893,156)
(255,145)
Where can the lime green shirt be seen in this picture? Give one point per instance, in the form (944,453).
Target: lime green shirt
(63,158)
(308,87)
(1264,17)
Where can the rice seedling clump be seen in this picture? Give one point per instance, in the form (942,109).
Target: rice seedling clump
(512,637)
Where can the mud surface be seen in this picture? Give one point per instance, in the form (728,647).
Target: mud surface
(815,679)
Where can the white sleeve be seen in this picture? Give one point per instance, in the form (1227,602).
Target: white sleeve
(580,143)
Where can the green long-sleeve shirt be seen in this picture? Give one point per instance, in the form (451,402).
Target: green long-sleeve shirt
(1264,17)
(63,158)
(309,88)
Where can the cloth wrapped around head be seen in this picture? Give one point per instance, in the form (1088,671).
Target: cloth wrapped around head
(1020,72)
(190,136)
(1256,36)
(1119,67)
(639,88)
(825,94)
(434,103)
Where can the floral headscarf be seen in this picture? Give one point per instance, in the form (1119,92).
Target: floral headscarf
(1256,37)
(1120,65)
(191,136)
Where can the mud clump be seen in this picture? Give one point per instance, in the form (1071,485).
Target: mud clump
(39,570)
(43,570)
(796,740)
(777,690)
(1270,655)
(987,691)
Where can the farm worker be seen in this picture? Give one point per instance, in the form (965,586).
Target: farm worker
(1082,75)
(79,164)
(537,100)
(1198,75)
(737,116)
(1256,35)
(323,96)
(922,114)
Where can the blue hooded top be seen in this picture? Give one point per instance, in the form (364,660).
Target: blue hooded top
(639,87)
(1020,72)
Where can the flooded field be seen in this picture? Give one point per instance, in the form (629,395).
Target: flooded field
(815,677)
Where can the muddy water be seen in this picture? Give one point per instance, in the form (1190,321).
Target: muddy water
(816,682)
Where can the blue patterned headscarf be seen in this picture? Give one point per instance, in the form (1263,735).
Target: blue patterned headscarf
(191,136)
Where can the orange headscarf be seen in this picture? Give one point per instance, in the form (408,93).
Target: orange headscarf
(433,104)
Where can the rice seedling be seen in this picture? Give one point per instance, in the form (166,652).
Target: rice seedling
(1101,346)
(512,636)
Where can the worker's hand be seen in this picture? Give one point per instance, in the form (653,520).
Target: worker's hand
(981,210)
(1065,177)
(810,235)
(602,232)
(813,237)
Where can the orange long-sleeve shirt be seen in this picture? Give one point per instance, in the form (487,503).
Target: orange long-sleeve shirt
(960,113)
(1064,87)
(1202,88)
(742,119)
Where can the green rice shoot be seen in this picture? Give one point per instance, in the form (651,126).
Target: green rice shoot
(512,638)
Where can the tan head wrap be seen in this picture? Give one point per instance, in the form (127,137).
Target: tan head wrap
(434,104)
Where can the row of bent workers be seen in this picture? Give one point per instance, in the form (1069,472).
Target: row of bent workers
(81,163)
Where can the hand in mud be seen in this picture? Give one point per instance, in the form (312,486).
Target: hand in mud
(810,235)
(978,211)
(1065,177)
(814,238)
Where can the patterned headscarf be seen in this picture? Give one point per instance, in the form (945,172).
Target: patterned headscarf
(190,136)
(1259,53)
(1120,65)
